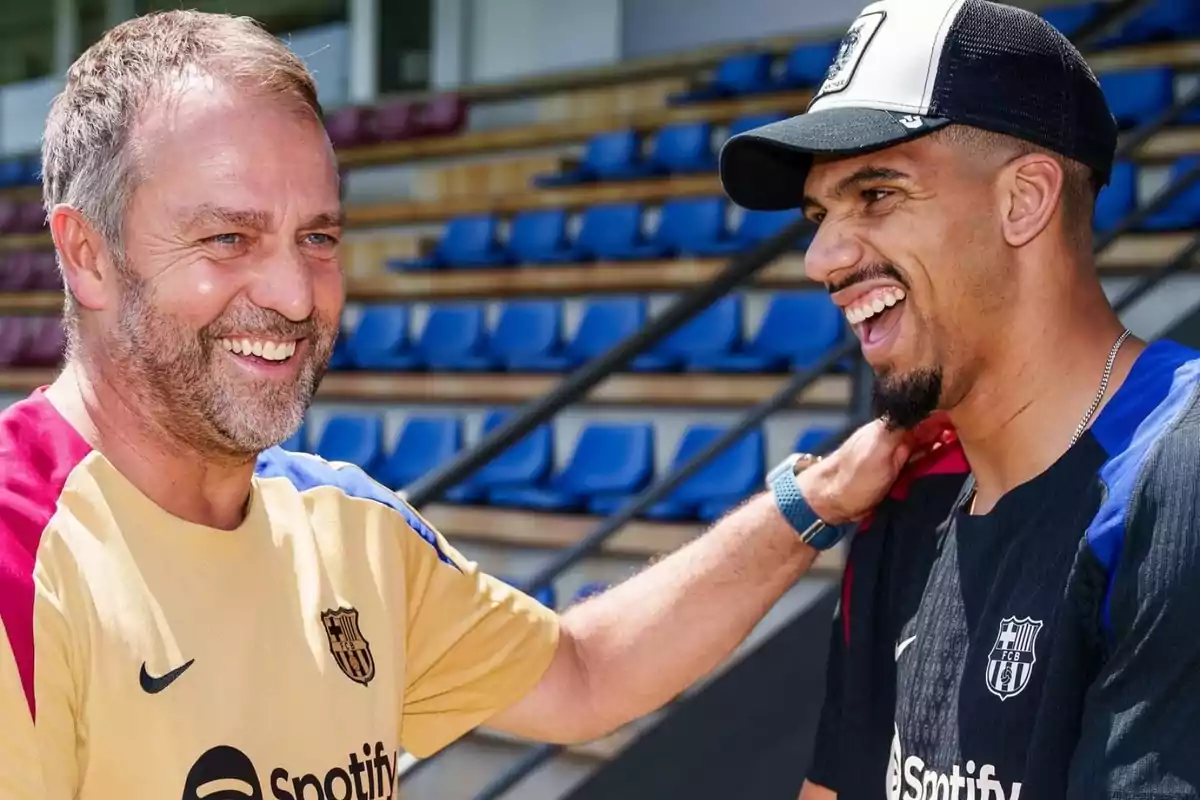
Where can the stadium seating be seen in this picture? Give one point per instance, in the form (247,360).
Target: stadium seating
(613,231)
(298,441)
(469,241)
(684,148)
(423,444)
(541,237)
(455,339)
(603,324)
(813,439)
(527,463)
(44,343)
(721,484)
(381,340)
(348,127)
(797,329)
(806,65)
(1138,96)
(715,332)
(1159,20)
(13,340)
(1118,198)
(1070,19)
(18,271)
(749,123)
(743,74)
(528,336)
(610,459)
(1184,211)
(612,156)
(393,122)
(353,439)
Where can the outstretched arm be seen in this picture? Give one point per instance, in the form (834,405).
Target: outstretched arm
(629,651)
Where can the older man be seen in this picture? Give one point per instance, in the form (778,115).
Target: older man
(187,609)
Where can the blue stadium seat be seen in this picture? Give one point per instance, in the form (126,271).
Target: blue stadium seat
(353,438)
(752,121)
(721,484)
(610,156)
(455,338)
(1184,211)
(528,336)
(381,341)
(613,231)
(745,73)
(540,237)
(610,459)
(298,441)
(1160,20)
(603,323)
(525,464)
(693,226)
(468,241)
(340,357)
(423,445)
(1137,96)
(684,148)
(1070,19)
(1118,198)
(807,64)
(590,589)
(12,172)
(810,440)
(714,332)
(797,329)
(755,227)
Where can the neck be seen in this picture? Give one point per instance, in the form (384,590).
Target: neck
(112,418)
(1034,388)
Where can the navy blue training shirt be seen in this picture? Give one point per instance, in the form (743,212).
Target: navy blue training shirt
(1049,649)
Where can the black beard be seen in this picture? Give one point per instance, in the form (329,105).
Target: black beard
(904,401)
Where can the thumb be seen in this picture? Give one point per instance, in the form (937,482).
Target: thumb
(901,455)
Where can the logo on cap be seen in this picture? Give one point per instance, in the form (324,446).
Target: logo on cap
(850,53)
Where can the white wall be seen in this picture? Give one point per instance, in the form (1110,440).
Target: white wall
(652,27)
(478,41)
(23,106)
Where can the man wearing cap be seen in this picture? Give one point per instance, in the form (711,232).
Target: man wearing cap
(1018,617)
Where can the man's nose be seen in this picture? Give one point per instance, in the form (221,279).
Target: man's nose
(834,250)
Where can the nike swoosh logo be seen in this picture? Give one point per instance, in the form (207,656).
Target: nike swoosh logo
(900,648)
(154,685)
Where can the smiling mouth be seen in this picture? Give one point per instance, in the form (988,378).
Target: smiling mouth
(270,350)
(875,315)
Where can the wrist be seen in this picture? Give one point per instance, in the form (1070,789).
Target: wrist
(816,486)
(804,519)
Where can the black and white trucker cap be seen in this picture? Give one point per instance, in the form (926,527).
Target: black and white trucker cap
(909,67)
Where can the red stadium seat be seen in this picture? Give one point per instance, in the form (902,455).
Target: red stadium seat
(348,127)
(10,216)
(18,271)
(31,217)
(46,272)
(394,122)
(14,337)
(444,115)
(45,343)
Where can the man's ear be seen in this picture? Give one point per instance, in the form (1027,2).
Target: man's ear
(85,259)
(1031,189)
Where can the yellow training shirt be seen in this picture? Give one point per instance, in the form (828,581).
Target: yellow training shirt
(142,656)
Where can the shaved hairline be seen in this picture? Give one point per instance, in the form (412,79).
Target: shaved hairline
(1079,182)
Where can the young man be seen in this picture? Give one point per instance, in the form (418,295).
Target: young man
(1019,617)
(186,611)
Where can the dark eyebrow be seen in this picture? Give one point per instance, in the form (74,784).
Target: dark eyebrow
(857,178)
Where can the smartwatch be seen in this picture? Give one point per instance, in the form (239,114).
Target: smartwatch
(813,530)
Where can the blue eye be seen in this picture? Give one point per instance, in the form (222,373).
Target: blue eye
(226,239)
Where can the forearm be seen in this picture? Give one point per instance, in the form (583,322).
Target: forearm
(645,641)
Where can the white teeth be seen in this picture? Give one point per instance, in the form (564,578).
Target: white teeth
(881,300)
(266,350)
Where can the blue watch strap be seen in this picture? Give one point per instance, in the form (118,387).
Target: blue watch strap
(799,514)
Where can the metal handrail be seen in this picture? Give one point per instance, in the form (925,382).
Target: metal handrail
(578,383)
(539,754)
(1113,15)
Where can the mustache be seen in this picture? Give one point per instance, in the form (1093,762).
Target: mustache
(266,323)
(868,273)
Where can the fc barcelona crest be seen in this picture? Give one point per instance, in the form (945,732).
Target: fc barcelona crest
(1011,661)
(349,647)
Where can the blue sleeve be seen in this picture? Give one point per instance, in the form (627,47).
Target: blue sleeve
(1140,734)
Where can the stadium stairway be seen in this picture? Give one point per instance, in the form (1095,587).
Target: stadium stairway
(509,234)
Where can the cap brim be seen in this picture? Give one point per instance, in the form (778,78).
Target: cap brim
(764,169)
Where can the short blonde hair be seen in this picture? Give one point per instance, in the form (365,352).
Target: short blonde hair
(87,161)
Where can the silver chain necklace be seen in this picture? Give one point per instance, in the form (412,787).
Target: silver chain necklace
(1087,417)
